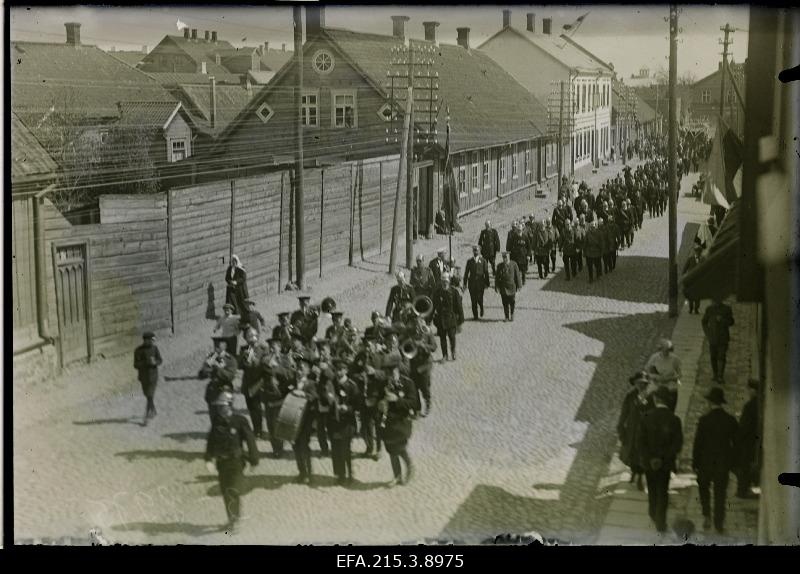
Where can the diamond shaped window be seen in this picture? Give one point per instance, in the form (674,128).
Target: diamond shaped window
(264,112)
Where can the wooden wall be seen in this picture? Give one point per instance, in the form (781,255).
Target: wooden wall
(23,271)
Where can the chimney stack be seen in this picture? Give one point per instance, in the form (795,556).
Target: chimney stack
(194,33)
(506,18)
(266,47)
(73,33)
(463,37)
(546,24)
(213,102)
(283,47)
(144,49)
(430,31)
(214,36)
(203,68)
(531,22)
(186,33)
(315,20)
(399,26)
(208,35)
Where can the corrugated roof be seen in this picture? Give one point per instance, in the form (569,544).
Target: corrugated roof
(231,100)
(29,160)
(487,106)
(152,115)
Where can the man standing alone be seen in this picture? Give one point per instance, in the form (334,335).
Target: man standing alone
(489,242)
(717,321)
(476,277)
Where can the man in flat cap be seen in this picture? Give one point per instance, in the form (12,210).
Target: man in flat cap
(476,278)
(713,457)
(146,359)
(253,318)
(661,439)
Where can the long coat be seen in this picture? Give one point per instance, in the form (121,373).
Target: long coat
(628,428)
(508,279)
(489,242)
(594,242)
(714,443)
(661,438)
(422,280)
(476,276)
(236,291)
(448,312)
(716,321)
(397,428)
(341,418)
(437,267)
(398,297)
(146,359)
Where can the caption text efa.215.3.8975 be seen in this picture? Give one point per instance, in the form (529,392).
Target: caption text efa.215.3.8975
(400,560)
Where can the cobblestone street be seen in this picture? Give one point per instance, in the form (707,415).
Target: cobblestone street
(519,439)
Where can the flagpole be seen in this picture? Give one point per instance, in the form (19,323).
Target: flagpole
(449,166)
(673,160)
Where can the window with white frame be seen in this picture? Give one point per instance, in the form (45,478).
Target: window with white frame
(527,160)
(474,167)
(514,170)
(502,169)
(705,96)
(344,109)
(486,181)
(310,106)
(178,150)
(264,112)
(462,179)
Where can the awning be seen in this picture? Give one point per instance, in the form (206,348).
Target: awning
(716,274)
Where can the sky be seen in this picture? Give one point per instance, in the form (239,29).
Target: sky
(629,36)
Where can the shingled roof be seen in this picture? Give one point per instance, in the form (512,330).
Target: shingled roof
(153,115)
(199,50)
(173,79)
(231,100)
(29,160)
(487,106)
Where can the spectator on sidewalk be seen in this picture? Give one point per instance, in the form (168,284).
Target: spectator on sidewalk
(228,327)
(661,441)
(747,444)
(236,291)
(146,360)
(665,369)
(691,263)
(717,321)
(713,457)
(489,242)
(637,402)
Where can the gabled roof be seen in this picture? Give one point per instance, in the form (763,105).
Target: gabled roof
(231,100)
(30,162)
(132,58)
(737,70)
(84,80)
(173,79)
(152,115)
(261,78)
(198,50)
(274,60)
(643,112)
(588,53)
(563,50)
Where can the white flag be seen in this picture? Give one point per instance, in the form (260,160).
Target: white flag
(182,25)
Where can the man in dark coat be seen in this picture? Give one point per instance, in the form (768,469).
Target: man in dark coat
(344,399)
(569,249)
(249,361)
(489,242)
(542,243)
(283,331)
(278,375)
(593,249)
(422,279)
(747,444)
(507,282)
(691,263)
(562,215)
(717,321)
(146,359)
(400,295)
(447,315)
(661,439)
(637,402)
(517,245)
(439,266)
(305,320)
(399,405)
(713,457)
(220,367)
(476,278)
(224,454)
(422,363)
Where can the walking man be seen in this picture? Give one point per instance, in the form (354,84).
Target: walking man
(593,248)
(717,321)
(476,278)
(691,263)
(249,362)
(489,242)
(747,444)
(661,440)
(712,457)
(507,282)
(146,359)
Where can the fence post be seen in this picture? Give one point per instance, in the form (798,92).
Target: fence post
(321,216)
(170,266)
(233,218)
(280,239)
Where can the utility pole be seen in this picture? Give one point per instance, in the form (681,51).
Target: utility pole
(298,103)
(400,171)
(410,164)
(725,43)
(561,134)
(673,160)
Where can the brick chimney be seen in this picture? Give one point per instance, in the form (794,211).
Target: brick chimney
(213,102)
(463,37)
(506,18)
(208,35)
(531,22)
(430,31)
(266,47)
(203,68)
(186,33)
(399,26)
(194,33)
(315,20)
(283,47)
(73,33)
(214,36)
(546,25)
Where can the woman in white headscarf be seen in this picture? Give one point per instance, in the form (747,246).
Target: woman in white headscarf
(236,293)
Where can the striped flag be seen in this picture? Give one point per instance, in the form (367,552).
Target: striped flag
(723,180)
(450,200)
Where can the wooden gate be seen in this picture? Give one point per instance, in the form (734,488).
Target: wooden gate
(73,301)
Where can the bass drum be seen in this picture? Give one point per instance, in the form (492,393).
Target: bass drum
(290,417)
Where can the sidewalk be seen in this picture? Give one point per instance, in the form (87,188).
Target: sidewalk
(627,521)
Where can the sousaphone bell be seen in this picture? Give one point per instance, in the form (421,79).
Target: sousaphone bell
(423,306)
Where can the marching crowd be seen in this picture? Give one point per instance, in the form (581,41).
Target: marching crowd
(376,384)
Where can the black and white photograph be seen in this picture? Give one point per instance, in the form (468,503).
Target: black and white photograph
(394,275)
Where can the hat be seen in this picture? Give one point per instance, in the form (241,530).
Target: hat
(441,250)
(753,384)
(304,297)
(716,396)
(228,306)
(284,314)
(665,343)
(219,340)
(420,257)
(638,376)
(224,398)
(337,313)
(663,394)
(374,315)
(148,335)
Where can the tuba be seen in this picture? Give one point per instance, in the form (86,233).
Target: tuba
(423,306)
(409,349)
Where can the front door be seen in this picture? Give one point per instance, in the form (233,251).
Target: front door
(424,197)
(71,301)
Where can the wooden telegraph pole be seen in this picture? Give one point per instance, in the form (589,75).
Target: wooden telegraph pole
(410,164)
(673,160)
(400,174)
(725,43)
(298,95)
(560,134)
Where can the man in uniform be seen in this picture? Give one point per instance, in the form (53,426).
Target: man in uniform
(400,403)
(146,359)
(422,279)
(220,366)
(224,454)
(439,266)
(489,242)
(344,399)
(336,331)
(400,295)
(717,321)
(253,318)
(306,319)
(507,283)
(476,278)
(278,374)
(446,315)
(249,362)
(661,440)
(712,457)
(307,386)
(593,249)
(422,363)
(283,331)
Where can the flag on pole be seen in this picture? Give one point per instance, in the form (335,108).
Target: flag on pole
(576,23)
(450,200)
(182,25)
(723,180)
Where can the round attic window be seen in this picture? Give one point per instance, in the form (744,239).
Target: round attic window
(323,62)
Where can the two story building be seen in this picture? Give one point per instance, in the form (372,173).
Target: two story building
(703,98)
(542,63)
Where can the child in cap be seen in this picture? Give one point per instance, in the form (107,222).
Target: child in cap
(146,359)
